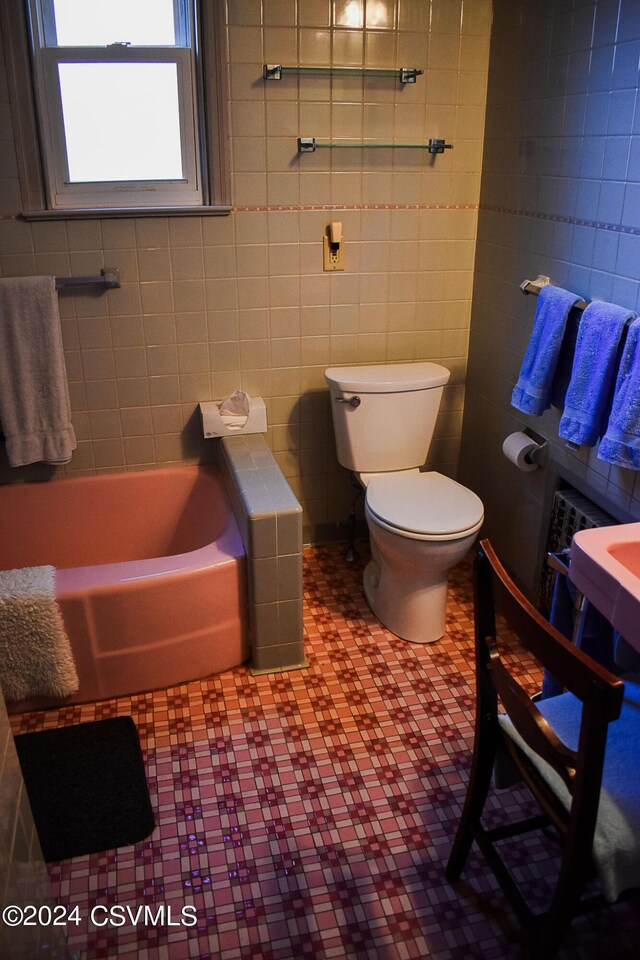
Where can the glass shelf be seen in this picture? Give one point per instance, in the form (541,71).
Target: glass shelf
(311,144)
(275,71)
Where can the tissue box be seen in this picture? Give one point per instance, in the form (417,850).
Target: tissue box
(214,426)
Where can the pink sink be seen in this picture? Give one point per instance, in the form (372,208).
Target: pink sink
(605,566)
(628,554)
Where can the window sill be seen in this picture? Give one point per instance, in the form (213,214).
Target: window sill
(106,213)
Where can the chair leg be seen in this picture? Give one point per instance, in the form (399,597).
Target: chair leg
(566,898)
(477,790)
(550,938)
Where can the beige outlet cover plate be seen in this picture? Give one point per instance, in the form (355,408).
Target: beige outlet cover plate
(332,260)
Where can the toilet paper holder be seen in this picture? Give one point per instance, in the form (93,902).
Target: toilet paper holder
(536,456)
(525,449)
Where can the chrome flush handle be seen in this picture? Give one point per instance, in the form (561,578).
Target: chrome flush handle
(352,401)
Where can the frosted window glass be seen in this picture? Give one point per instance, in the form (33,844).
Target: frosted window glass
(121,121)
(86,23)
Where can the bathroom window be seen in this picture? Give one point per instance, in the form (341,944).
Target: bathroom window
(119,93)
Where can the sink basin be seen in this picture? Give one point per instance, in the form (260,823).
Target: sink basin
(605,566)
(628,554)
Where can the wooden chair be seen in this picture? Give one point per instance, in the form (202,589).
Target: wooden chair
(557,747)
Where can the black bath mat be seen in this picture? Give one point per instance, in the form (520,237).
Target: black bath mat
(86,786)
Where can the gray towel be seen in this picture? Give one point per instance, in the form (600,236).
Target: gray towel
(35,413)
(35,653)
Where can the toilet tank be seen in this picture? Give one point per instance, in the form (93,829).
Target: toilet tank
(392,425)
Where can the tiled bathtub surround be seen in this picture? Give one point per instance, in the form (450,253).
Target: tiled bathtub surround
(270,522)
(211,304)
(310,815)
(560,192)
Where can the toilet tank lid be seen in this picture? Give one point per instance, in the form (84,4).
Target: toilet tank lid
(387,377)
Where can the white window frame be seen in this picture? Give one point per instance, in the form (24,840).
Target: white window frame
(61,193)
(40,146)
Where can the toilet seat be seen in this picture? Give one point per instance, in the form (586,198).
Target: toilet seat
(423,506)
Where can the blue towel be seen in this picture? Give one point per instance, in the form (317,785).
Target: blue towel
(625,657)
(531,393)
(621,442)
(597,638)
(562,375)
(595,361)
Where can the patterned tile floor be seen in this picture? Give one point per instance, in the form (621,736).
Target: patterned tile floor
(310,814)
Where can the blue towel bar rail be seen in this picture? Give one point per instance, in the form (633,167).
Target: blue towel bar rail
(535,286)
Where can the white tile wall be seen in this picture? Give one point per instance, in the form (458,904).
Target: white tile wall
(23,875)
(560,196)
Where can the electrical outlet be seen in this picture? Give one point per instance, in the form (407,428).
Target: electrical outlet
(333,256)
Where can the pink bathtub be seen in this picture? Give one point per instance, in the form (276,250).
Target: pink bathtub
(150,574)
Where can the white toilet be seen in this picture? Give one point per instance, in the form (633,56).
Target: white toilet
(421,524)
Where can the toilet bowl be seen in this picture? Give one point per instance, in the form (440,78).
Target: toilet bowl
(421,525)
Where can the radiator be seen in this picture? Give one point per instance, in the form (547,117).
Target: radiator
(571,511)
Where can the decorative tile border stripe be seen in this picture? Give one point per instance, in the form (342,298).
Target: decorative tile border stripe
(297,207)
(270,208)
(558,218)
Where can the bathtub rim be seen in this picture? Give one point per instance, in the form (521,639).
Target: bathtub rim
(227,548)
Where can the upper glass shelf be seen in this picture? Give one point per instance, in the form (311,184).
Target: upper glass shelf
(275,71)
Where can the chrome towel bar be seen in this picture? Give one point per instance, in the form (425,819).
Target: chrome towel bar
(535,286)
(109,278)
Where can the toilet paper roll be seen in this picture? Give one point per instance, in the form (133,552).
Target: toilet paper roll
(518,448)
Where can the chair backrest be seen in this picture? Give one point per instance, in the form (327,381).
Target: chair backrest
(600,692)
